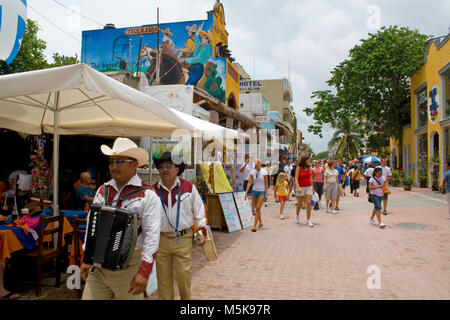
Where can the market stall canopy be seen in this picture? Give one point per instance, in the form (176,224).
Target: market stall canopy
(211,130)
(77,99)
(88,101)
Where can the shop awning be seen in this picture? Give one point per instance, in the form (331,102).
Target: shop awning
(88,102)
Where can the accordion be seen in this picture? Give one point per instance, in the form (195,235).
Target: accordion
(111,236)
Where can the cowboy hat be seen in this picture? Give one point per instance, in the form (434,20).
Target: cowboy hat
(167,32)
(168,157)
(206,34)
(127,148)
(192,28)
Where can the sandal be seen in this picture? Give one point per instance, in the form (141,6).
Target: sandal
(11,296)
(253,230)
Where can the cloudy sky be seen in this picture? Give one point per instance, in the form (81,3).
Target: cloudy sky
(265,36)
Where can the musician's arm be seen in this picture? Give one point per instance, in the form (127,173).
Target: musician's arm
(151,225)
(198,210)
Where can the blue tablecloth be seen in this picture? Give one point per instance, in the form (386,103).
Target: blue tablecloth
(27,241)
(69,214)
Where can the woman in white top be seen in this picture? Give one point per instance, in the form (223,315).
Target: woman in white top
(258,178)
(330,182)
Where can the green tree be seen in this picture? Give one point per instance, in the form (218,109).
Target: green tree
(62,60)
(347,138)
(31,54)
(305,149)
(373,84)
(321,155)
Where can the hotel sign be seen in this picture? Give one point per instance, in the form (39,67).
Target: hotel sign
(250,85)
(262,119)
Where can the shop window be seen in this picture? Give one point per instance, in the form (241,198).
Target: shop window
(422,106)
(446,145)
(446,94)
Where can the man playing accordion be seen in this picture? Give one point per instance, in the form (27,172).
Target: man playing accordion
(131,281)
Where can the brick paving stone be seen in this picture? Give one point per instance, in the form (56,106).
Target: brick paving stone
(286,261)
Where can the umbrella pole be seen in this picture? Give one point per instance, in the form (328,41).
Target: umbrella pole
(55,155)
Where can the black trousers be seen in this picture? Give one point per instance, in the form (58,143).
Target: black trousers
(318,186)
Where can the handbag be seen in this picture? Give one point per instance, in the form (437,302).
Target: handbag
(369,199)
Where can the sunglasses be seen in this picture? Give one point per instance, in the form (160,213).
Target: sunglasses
(119,162)
(166,166)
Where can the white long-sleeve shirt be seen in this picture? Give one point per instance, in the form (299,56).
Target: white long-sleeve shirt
(148,207)
(191,206)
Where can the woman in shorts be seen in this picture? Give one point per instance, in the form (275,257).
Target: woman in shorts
(330,185)
(303,182)
(376,184)
(258,179)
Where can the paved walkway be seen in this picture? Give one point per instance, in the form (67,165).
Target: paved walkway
(284,260)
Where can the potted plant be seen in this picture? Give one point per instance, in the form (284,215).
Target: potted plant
(407,183)
(435,172)
(396,178)
(423,171)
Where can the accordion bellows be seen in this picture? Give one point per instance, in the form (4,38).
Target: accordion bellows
(111,236)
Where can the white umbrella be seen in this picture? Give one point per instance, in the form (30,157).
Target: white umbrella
(86,102)
(371,159)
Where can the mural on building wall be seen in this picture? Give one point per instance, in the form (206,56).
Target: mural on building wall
(186,54)
(434,104)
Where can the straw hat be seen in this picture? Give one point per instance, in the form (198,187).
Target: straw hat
(167,32)
(168,157)
(192,28)
(127,148)
(206,34)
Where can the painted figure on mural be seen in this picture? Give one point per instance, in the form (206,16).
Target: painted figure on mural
(201,54)
(189,44)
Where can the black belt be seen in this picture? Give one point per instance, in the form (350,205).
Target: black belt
(180,233)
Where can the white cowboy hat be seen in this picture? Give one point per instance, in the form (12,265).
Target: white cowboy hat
(127,148)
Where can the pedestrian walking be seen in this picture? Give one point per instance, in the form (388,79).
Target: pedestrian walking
(388,176)
(317,174)
(341,178)
(304,184)
(129,283)
(260,191)
(281,165)
(445,187)
(368,174)
(246,168)
(330,185)
(356,180)
(376,185)
(182,206)
(281,192)
(288,170)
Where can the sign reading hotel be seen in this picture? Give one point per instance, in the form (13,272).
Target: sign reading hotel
(250,86)
(262,119)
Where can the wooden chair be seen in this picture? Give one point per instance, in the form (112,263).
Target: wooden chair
(50,251)
(77,232)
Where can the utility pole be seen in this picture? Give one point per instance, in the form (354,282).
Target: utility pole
(158,57)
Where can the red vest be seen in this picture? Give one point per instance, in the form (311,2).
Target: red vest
(186,187)
(129,188)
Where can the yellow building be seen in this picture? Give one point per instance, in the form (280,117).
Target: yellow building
(427,138)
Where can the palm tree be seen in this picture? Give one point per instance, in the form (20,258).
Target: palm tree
(347,138)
